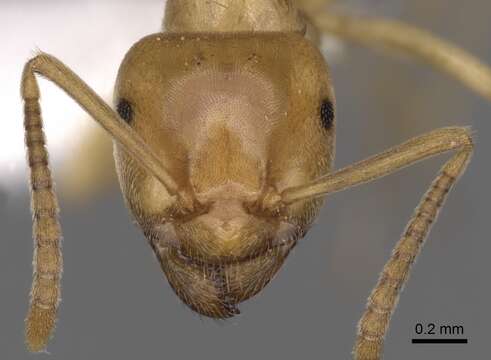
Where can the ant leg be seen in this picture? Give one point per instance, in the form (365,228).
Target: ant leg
(47,262)
(54,70)
(442,55)
(383,299)
(45,293)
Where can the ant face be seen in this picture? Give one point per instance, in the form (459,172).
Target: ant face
(233,118)
(224,138)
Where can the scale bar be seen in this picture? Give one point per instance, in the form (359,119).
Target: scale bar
(439,341)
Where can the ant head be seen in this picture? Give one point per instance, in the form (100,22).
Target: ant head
(235,120)
(232,16)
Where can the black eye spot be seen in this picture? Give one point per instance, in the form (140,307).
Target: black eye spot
(125,110)
(327,114)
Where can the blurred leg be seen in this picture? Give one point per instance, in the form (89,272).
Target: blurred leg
(395,35)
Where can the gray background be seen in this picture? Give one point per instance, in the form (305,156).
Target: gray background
(116,302)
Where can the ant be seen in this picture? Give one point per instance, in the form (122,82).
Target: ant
(224,132)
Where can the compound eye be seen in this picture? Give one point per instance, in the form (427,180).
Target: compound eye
(327,114)
(125,110)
